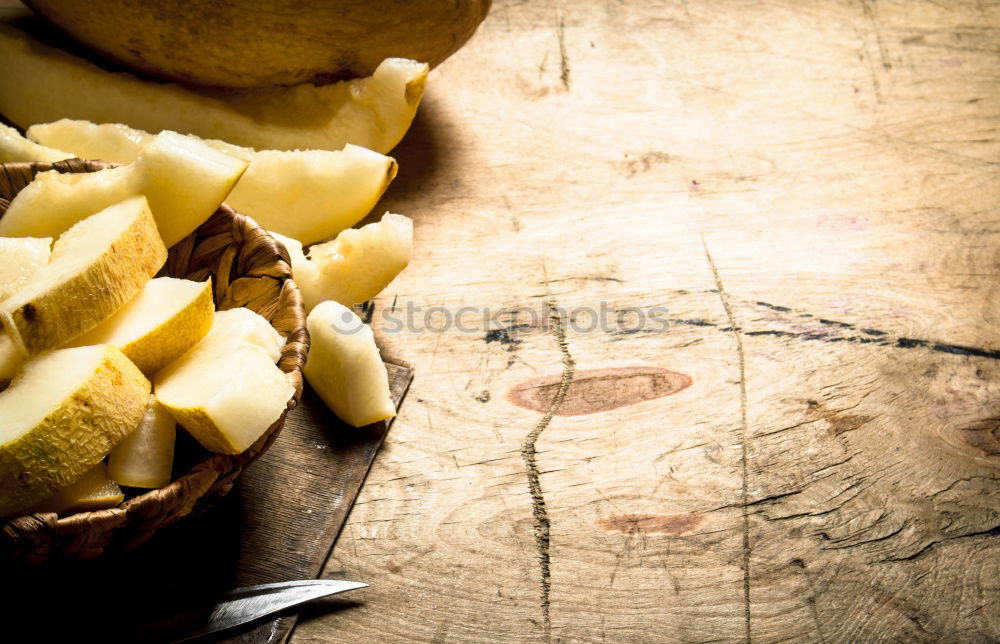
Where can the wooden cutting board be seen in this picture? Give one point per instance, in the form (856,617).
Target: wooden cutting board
(279,523)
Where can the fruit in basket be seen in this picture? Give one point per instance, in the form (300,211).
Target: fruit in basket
(14,147)
(344,366)
(355,266)
(310,195)
(19,258)
(226,391)
(373,112)
(96,266)
(92,491)
(145,457)
(166,318)
(183,179)
(246,43)
(60,416)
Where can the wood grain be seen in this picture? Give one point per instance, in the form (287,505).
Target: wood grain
(830,474)
(835,480)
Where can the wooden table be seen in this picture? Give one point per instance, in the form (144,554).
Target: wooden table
(809,449)
(740,378)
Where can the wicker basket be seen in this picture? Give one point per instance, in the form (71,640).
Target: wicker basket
(248,268)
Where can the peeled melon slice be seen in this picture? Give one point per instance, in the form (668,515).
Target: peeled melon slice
(65,198)
(60,416)
(145,457)
(310,195)
(344,366)
(166,318)
(14,147)
(355,266)
(19,258)
(374,112)
(92,491)
(183,179)
(226,390)
(111,142)
(96,266)
(240,326)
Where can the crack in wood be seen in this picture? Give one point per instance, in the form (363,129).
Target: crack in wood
(744,463)
(542,524)
(563,57)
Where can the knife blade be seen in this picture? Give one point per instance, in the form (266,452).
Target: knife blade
(247,604)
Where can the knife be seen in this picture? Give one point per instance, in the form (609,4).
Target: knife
(244,605)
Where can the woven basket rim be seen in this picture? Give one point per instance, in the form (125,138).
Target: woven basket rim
(198,478)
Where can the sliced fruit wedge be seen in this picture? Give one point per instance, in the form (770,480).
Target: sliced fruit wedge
(344,366)
(96,267)
(372,112)
(166,318)
(183,179)
(14,147)
(19,258)
(226,391)
(234,328)
(310,195)
(111,142)
(355,266)
(65,198)
(92,491)
(145,457)
(60,416)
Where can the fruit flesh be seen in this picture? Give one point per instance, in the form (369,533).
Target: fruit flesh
(354,267)
(145,457)
(92,491)
(166,318)
(14,147)
(344,366)
(226,390)
(19,258)
(183,179)
(310,195)
(60,416)
(96,267)
(373,112)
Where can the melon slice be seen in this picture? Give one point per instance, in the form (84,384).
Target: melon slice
(14,147)
(145,457)
(11,358)
(373,112)
(226,390)
(166,318)
(355,266)
(65,199)
(344,366)
(310,195)
(92,491)
(96,267)
(183,179)
(19,258)
(240,326)
(60,416)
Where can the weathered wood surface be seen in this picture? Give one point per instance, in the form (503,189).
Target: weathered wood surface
(811,189)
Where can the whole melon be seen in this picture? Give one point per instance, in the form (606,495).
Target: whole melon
(255,43)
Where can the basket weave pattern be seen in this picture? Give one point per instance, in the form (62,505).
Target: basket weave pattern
(248,268)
